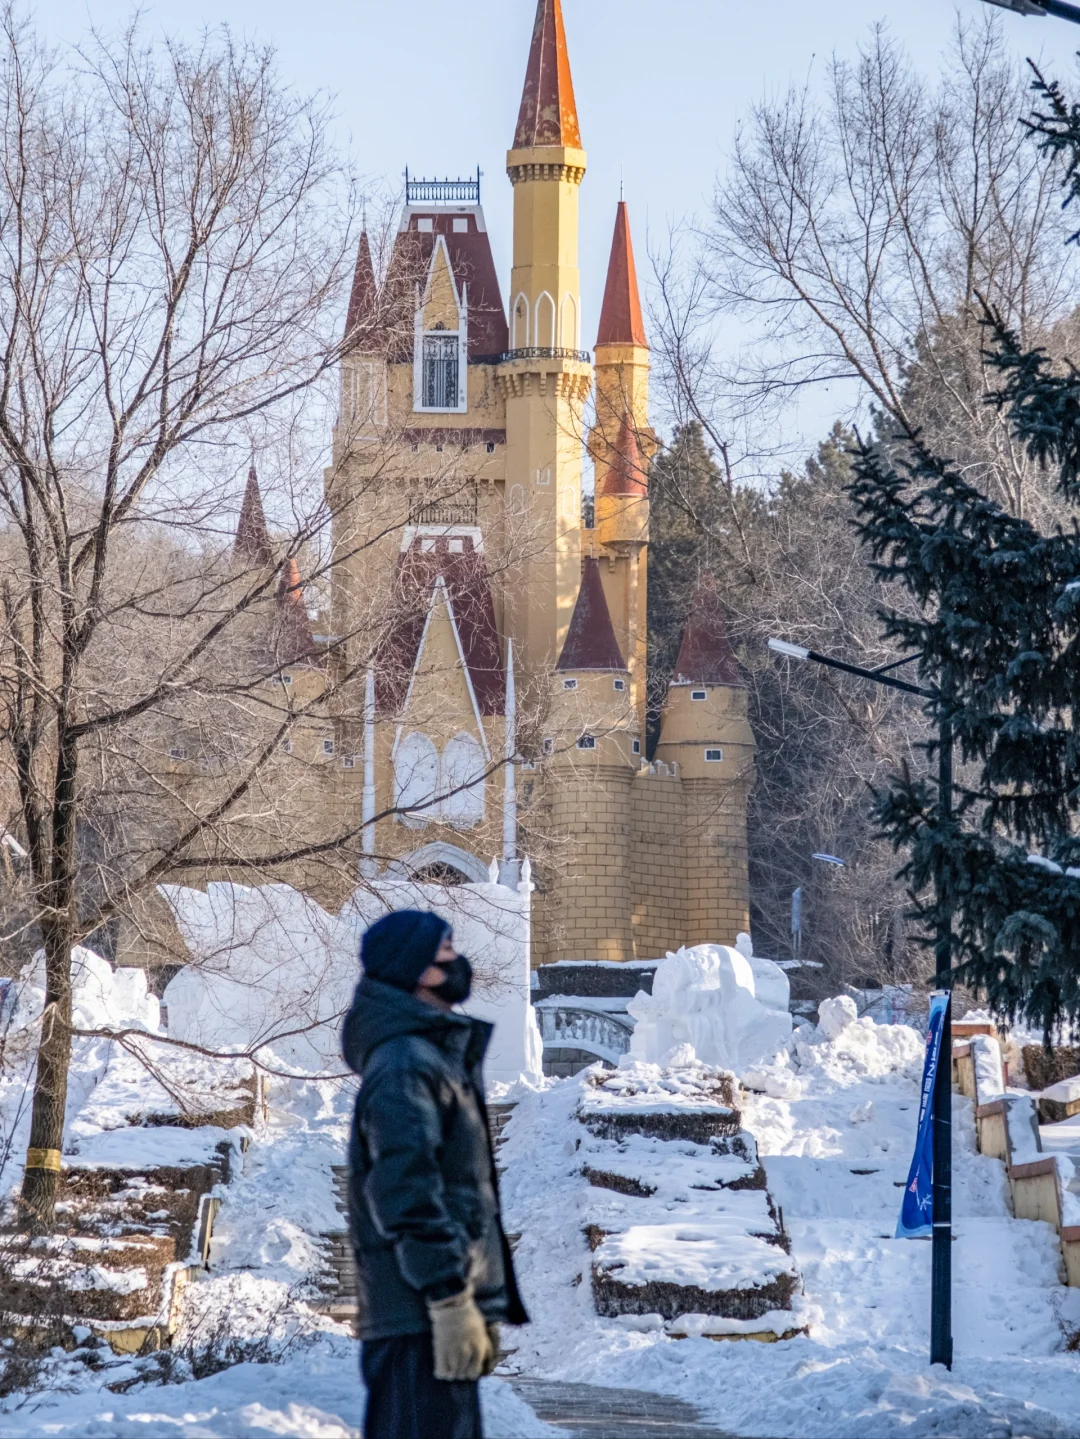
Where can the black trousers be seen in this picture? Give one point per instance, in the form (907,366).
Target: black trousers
(406,1401)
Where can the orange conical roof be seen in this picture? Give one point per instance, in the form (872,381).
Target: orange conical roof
(252,537)
(294,637)
(620,314)
(590,639)
(548,114)
(627,472)
(705,655)
(363,294)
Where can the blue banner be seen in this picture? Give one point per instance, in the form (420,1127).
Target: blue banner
(917,1210)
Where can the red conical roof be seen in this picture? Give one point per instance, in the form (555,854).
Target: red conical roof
(627,471)
(620,314)
(705,655)
(294,637)
(364,291)
(548,114)
(252,537)
(590,640)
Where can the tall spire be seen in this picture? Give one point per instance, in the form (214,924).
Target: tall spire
(252,542)
(548,114)
(590,639)
(705,655)
(627,471)
(620,314)
(363,294)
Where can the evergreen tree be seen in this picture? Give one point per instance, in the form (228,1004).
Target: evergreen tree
(996,622)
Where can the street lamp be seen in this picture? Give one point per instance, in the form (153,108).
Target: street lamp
(941,1256)
(1058,8)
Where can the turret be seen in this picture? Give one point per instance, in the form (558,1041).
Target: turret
(706,732)
(622,350)
(545,376)
(252,544)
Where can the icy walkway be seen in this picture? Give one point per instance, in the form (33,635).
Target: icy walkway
(590,1411)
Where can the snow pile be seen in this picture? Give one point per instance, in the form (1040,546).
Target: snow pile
(271,969)
(989,1069)
(728,1004)
(718,1253)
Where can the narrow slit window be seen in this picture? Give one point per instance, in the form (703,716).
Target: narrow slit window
(636,746)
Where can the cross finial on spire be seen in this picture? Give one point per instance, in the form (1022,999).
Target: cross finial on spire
(548,114)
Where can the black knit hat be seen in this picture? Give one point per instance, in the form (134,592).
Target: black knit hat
(399,947)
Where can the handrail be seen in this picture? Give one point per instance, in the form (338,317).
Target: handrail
(545,352)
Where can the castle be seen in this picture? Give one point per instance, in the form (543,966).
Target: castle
(493,643)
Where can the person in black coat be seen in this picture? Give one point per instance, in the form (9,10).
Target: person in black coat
(434,1272)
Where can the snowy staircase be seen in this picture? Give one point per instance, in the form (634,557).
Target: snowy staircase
(339,1297)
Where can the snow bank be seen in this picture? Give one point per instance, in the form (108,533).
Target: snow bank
(989,1070)
(271,968)
(730,1006)
(102,996)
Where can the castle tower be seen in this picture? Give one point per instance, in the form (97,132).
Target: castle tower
(591,773)
(545,377)
(251,545)
(706,733)
(622,444)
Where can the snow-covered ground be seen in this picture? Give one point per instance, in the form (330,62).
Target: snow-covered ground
(835,1127)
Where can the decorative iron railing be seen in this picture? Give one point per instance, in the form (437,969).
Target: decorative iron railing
(546,352)
(442,192)
(459,510)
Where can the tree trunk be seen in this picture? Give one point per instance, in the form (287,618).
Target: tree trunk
(41,1177)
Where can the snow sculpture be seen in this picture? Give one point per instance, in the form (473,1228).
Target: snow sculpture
(271,968)
(729,1005)
(101,995)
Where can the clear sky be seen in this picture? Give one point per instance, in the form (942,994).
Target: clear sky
(660,84)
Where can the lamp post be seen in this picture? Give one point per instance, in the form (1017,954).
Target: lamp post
(941,1255)
(1058,8)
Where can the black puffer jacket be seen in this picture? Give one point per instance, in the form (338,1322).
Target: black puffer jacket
(422,1189)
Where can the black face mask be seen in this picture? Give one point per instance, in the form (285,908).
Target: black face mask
(457,986)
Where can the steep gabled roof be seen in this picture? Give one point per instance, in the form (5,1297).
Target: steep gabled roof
(548,114)
(705,655)
(468,589)
(473,266)
(293,638)
(364,293)
(620,314)
(252,544)
(590,639)
(627,472)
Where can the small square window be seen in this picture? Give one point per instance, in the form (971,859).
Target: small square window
(636,746)
(618,684)
(328,746)
(348,761)
(569,684)
(178,752)
(425,224)
(427,546)
(714,756)
(549,746)
(587,741)
(456,546)
(699,695)
(461,226)
(491,447)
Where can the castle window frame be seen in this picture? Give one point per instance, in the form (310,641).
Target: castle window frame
(548,746)
(491,447)
(618,684)
(287,746)
(328,746)
(348,761)
(586,741)
(699,694)
(714,755)
(569,684)
(440,365)
(286,679)
(635,746)
(461,224)
(177,751)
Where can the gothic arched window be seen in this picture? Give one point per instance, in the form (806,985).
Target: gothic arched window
(416,779)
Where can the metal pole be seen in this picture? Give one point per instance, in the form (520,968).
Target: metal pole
(941,1344)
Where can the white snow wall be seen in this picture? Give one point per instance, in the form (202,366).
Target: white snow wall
(270,967)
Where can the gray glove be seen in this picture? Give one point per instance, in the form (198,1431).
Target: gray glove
(460,1337)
